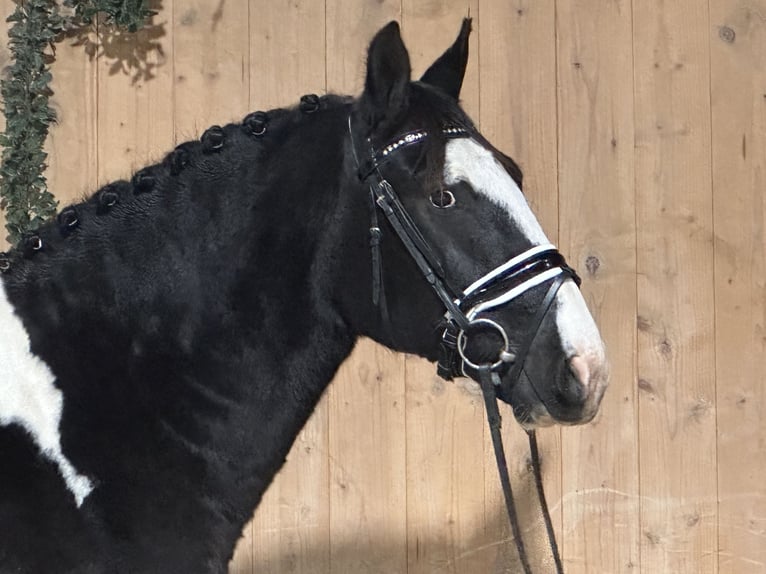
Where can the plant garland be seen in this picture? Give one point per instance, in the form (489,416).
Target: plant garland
(36,25)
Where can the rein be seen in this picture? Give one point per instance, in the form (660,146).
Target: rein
(534,267)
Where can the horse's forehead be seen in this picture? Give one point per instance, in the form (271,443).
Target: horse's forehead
(467,160)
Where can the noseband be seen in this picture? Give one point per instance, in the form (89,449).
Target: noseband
(537,266)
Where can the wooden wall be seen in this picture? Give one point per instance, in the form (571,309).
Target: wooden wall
(641,128)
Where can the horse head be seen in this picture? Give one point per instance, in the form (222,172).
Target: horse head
(459,269)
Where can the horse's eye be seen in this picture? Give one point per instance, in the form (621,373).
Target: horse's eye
(442,198)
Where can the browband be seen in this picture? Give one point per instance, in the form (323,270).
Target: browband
(380,157)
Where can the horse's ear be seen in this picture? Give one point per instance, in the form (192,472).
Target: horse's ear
(388,76)
(447,72)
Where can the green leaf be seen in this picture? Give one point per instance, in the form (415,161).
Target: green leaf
(35,26)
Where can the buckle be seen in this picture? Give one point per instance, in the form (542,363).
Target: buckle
(448,367)
(504,356)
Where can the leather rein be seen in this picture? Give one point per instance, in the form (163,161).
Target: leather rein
(537,266)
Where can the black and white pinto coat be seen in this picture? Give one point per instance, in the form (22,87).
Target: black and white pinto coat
(163,342)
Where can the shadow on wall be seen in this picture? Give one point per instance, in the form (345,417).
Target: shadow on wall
(488,550)
(135,54)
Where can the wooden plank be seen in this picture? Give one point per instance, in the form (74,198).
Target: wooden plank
(287,52)
(429,28)
(738,93)
(597,231)
(517,55)
(135,103)
(72,144)
(350,27)
(445,421)
(367,400)
(291,526)
(676,352)
(368,493)
(211,64)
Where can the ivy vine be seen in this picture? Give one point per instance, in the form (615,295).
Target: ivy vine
(36,26)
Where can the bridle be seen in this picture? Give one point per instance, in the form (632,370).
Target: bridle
(532,268)
(537,266)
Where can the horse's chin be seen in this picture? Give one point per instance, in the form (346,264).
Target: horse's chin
(537,417)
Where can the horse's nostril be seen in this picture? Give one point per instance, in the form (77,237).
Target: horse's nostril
(580,369)
(572,389)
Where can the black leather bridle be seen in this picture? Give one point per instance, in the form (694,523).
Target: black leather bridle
(537,266)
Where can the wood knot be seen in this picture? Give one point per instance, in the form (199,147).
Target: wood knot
(592,264)
(652,537)
(699,409)
(665,348)
(741,401)
(646,386)
(727,34)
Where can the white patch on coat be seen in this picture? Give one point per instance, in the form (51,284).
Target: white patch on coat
(466,160)
(580,338)
(29,398)
(577,329)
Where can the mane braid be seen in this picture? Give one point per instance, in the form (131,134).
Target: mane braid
(137,197)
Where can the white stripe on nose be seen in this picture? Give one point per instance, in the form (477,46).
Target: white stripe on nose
(577,329)
(582,344)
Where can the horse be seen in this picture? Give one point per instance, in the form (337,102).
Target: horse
(163,342)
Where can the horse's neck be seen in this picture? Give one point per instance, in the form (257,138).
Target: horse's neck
(187,372)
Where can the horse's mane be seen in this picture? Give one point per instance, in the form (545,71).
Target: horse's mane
(155,192)
(162,186)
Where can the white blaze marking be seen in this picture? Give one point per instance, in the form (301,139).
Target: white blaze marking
(468,161)
(29,398)
(577,329)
